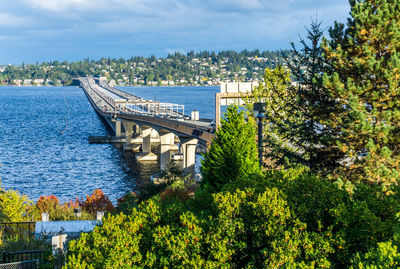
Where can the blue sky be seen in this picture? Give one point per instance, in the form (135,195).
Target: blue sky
(43,30)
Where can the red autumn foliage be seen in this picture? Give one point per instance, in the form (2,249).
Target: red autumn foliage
(44,203)
(98,201)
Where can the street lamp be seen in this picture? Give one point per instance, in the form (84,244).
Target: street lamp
(260,108)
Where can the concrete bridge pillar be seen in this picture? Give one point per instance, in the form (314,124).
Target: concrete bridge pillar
(188,147)
(118,132)
(128,126)
(166,143)
(146,146)
(136,130)
(146,154)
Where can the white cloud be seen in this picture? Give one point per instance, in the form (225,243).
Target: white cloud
(56,5)
(88,27)
(235,5)
(8,20)
(87,7)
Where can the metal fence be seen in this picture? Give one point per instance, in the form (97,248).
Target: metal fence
(19,228)
(18,256)
(32,264)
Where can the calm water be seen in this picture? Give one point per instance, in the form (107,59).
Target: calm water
(199,98)
(44,141)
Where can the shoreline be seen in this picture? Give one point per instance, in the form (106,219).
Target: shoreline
(150,86)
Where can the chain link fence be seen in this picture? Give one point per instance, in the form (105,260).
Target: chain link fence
(32,264)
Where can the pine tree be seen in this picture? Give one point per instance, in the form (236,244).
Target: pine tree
(365,85)
(233,153)
(295,110)
(312,102)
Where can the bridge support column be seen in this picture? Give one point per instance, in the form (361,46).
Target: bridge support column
(146,154)
(188,147)
(128,126)
(166,143)
(118,132)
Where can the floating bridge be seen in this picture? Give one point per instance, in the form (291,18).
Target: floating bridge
(139,123)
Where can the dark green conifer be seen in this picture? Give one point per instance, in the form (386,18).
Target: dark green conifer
(293,129)
(311,102)
(233,153)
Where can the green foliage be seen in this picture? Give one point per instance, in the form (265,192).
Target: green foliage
(181,190)
(352,223)
(170,179)
(127,203)
(192,68)
(23,243)
(233,153)
(274,92)
(295,110)
(364,84)
(313,104)
(15,207)
(244,229)
(385,255)
(18,243)
(13,243)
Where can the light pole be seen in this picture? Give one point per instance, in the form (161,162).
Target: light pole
(260,108)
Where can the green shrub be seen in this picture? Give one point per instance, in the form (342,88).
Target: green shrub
(126,203)
(243,229)
(233,152)
(354,222)
(15,207)
(385,255)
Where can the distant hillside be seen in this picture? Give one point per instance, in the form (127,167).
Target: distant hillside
(203,68)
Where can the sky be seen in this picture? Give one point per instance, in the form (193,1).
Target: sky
(46,30)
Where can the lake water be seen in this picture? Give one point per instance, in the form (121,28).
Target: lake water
(194,98)
(44,145)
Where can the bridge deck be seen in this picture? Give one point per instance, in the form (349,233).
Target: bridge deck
(113,103)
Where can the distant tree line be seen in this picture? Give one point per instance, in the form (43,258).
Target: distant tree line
(177,68)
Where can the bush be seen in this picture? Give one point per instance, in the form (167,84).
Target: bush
(243,229)
(385,255)
(50,204)
(98,201)
(354,221)
(47,203)
(15,207)
(127,202)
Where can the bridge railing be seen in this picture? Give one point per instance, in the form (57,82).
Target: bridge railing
(154,109)
(109,100)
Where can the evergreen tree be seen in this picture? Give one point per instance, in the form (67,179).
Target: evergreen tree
(295,110)
(313,103)
(233,153)
(365,86)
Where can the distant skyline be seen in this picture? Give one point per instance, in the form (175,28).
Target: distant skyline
(45,30)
